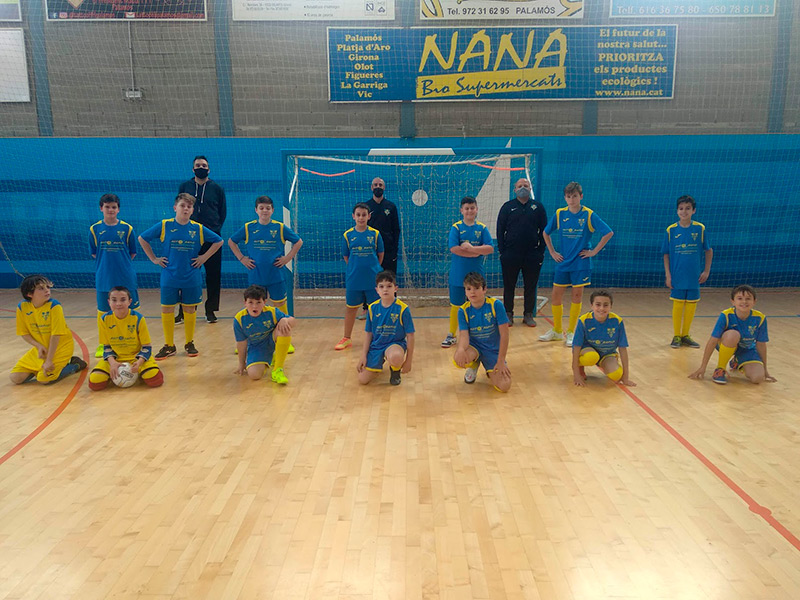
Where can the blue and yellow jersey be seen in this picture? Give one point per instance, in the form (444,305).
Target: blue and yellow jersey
(180,244)
(604,337)
(477,235)
(483,324)
(361,249)
(256,330)
(686,248)
(388,324)
(113,246)
(126,339)
(752,329)
(265,244)
(43,322)
(575,231)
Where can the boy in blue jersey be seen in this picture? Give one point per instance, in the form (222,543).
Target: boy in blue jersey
(575,224)
(600,340)
(125,339)
(740,335)
(684,247)
(263,335)
(112,244)
(181,281)
(483,337)
(469,241)
(362,249)
(390,334)
(41,323)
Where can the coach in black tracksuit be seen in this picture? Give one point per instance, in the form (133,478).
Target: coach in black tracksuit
(520,240)
(383,216)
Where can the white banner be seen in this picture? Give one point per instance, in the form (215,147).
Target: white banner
(9,10)
(13,67)
(310,10)
(441,10)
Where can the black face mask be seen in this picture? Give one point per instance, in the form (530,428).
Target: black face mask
(377,192)
(201,173)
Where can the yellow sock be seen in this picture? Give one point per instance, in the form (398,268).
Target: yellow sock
(473,365)
(558,313)
(189,323)
(283,307)
(587,359)
(168,323)
(616,375)
(677,316)
(688,317)
(574,313)
(453,320)
(281,350)
(725,354)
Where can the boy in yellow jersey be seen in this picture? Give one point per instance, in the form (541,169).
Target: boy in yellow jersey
(741,337)
(263,336)
(41,323)
(600,340)
(125,338)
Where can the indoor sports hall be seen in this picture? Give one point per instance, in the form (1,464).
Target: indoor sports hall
(636,484)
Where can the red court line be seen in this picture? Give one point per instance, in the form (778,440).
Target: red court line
(57,411)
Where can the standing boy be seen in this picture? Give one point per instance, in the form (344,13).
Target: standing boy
(483,337)
(469,242)
(41,323)
(390,334)
(575,224)
(125,339)
(362,249)
(112,244)
(181,281)
(684,247)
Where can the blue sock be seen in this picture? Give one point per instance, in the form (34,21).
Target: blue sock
(68,370)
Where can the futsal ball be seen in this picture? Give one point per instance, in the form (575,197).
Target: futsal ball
(125,377)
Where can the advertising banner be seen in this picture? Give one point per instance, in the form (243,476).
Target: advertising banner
(692,8)
(518,10)
(311,10)
(104,10)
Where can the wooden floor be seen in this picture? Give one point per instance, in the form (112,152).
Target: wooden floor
(217,487)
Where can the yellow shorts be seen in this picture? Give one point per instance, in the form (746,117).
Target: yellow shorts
(102,370)
(31,363)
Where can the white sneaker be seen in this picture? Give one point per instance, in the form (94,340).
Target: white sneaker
(449,341)
(551,336)
(568,341)
(470,375)
(362,315)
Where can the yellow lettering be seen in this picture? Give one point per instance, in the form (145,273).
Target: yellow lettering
(486,53)
(555,36)
(432,48)
(506,47)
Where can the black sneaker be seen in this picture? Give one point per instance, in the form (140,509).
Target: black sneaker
(211,317)
(179,317)
(190,349)
(75,360)
(510,319)
(166,351)
(394,377)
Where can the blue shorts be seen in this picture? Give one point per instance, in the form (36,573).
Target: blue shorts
(457,295)
(747,356)
(688,295)
(188,296)
(260,354)
(603,356)
(276,291)
(377,356)
(572,278)
(102,301)
(355,298)
(488,358)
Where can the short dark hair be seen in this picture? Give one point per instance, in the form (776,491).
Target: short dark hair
(573,186)
(265,200)
(468,200)
(385,276)
(474,279)
(30,283)
(109,199)
(686,199)
(744,288)
(601,294)
(255,292)
(120,288)
(186,198)
(360,205)
(199,157)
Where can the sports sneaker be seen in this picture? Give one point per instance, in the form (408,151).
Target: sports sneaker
(99,352)
(278,376)
(190,349)
(449,341)
(166,351)
(676,342)
(179,317)
(470,375)
(510,319)
(527,319)
(551,336)
(689,342)
(79,362)
(568,341)
(345,342)
(734,364)
(394,377)
(291,349)
(362,315)
(211,317)
(719,376)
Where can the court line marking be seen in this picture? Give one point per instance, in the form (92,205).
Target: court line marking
(58,410)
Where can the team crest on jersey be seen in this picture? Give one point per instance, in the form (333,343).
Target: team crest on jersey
(752,329)
(694,237)
(387,212)
(477,235)
(370,239)
(488,317)
(581,222)
(274,232)
(394,317)
(192,234)
(120,234)
(131,328)
(612,331)
(45,314)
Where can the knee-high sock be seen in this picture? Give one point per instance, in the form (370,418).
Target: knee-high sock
(189,323)
(677,316)
(453,320)
(153,377)
(725,354)
(558,313)
(281,350)
(688,317)
(283,307)
(587,359)
(574,313)
(168,323)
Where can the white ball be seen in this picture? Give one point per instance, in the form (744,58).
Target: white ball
(125,377)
